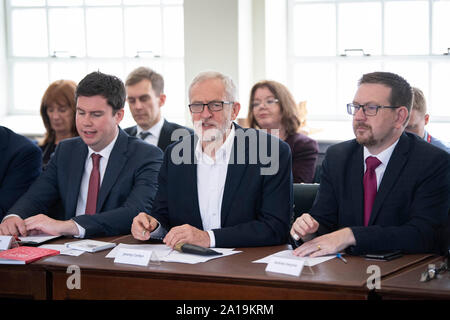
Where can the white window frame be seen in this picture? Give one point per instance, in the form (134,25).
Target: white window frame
(292,59)
(123,60)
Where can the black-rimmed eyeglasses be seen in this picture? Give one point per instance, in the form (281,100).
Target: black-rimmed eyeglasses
(369,110)
(267,103)
(213,106)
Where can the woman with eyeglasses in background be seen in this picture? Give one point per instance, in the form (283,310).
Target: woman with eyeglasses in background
(58,107)
(272,107)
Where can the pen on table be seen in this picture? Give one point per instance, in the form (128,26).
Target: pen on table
(339,256)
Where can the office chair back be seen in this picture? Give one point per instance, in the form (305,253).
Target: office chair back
(304,196)
(323,146)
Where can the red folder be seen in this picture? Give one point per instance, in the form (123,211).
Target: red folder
(24,255)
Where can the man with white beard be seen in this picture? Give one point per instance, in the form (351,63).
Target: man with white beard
(223,186)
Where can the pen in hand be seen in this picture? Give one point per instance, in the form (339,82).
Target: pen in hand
(144,232)
(339,256)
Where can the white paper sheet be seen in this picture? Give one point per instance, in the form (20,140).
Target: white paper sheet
(166,254)
(40,238)
(133,256)
(176,256)
(309,262)
(63,249)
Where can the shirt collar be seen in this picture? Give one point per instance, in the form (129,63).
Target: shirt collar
(222,154)
(155,130)
(106,151)
(383,156)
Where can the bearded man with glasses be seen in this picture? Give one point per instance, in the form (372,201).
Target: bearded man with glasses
(216,188)
(386,190)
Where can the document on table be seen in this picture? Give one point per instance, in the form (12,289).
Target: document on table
(63,249)
(161,250)
(176,256)
(309,262)
(40,238)
(166,254)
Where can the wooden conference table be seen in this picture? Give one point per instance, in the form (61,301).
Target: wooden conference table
(233,277)
(406,285)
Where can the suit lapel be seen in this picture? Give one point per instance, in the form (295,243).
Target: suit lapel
(393,170)
(356,180)
(164,136)
(191,177)
(133,131)
(76,170)
(4,142)
(235,172)
(116,161)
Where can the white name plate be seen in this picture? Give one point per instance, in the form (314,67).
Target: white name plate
(286,266)
(133,256)
(5,242)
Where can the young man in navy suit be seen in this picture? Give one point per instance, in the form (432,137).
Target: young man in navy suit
(386,190)
(225,186)
(20,165)
(145,96)
(103,178)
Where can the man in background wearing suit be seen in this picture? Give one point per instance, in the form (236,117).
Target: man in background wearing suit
(386,190)
(419,118)
(103,178)
(20,165)
(215,189)
(145,96)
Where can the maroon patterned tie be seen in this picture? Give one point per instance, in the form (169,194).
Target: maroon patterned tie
(370,187)
(94,185)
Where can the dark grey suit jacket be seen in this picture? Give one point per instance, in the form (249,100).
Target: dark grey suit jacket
(166,133)
(411,206)
(256,208)
(20,165)
(128,186)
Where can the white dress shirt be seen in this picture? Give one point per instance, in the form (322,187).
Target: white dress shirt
(84,187)
(384,157)
(155,132)
(211,176)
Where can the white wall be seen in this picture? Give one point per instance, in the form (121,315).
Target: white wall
(276,40)
(226,36)
(210,38)
(259,40)
(245,54)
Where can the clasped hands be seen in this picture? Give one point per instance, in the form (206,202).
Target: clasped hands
(144,224)
(305,226)
(16,226)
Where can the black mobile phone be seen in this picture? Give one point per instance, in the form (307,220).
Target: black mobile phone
(384,256)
